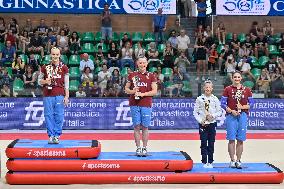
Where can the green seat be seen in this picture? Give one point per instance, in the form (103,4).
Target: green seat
(147,47)
(73,85)
(2,45)
(88,48)
(37,57)
(88,37)
(104,47)
(122,34)
(220,47)
(248,84)
(168,84)
(242,37)
(256,72)
(24,58)
(262,61)
(74,60)
(277,37)
(186,88)
(97,70)
(161,48)
(137,36)
(153,69)
(149,37)
(124,72)
(98,36)
(115,37)
(167,72)
(254,61)
(74,72)
(9,70)
(46,59)
(64,59)
(272,49)
(18,85)
(92,57)
(229,36)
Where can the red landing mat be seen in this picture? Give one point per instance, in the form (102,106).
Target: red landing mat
(109,161)
(26,148)
(251,173)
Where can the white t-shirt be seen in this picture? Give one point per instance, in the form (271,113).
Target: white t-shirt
(245,67)
(183,42)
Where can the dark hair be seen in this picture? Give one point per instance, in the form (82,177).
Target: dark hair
(87,68)
(235,72)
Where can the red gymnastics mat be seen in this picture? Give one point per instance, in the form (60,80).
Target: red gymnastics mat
(108,161)
(251,173)
(26,148)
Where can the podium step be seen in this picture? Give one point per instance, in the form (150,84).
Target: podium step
(221,173)
(108,161)
(26,148)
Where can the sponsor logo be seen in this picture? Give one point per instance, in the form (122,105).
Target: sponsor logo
(122,118)
(35,114)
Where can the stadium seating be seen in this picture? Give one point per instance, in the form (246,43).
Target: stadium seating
(115,37)
(122,34)
(24,58)
(74,73)
(74,60)
(149,37)
(124,72)
(167,72)
(9,70)
(152,69)
(249,84)
(18,85)
(46,59)
(161,48)
(272,49)
(64,59)
(88,48)
(73,85)
(262,61)
(88,37)
(137,36)
(104,47)
(229,36)
(186,88)
(256,72)
(98,36)
(242,37)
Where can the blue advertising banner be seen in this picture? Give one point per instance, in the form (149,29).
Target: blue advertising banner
(27,113)
(250,7)
(87,6)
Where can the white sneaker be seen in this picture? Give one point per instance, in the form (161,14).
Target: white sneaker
(138,152)
(238,165)
(144,152)
(232,164)
(209,165)
(56,140)
(205,165)
(34,96)
(197,79)
(50,141)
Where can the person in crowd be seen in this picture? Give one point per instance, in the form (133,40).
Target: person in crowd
(173,40)
(139,52)
(86,62)
(159,26)
(127,56)
(42,28)
(263,82)
(201,13)
(168,56)
(24,41)
(55,28)
(103,78)
(153,55)
(5,90)
(212,61)
(63,42)
(87,78)
(74,42)
(29,78)
(50,41)
(36,44)
(221,33)
(176,27)
(7,54)
(28,26)
(201,51)
(13,25)
(3,30)
(18,67)
(106,23)
(113,56)
(80,93)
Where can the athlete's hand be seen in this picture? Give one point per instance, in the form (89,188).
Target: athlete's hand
(135,90)
(66,101)
(240,107)
(235,113)
(48,81)
(209,117)
(140,94)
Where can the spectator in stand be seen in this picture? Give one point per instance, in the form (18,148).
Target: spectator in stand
(230,66)
(36,44)
(235,43)
(66,29)
(74,43)
(126,56)
(159,26)
(8,54)
(24,41)
(280,63)
(244,67)
(201,50)
(160,80)
(116,82)
(113,56)
(5,77)
(209,36)
(244,51)
(18,67)
(139,52)
(223,57)
(13,25)
(268,31)
(176,27)
(221,33)
(28,27)
(3,30)
(42,28)
(187,8)
(100,58)
(103,78)
(125,39)
(213,6)
(29,78)
(260,45)
(50,41)
(182,63)
(263,82)
(63,42)
(12,38)
(96,90)
(277,84)
(173,40)
(87,78)
(177,78)
(80,93)
(5,90)
(183,42)
(254,31)
(86,62)
(153,55)
(55,28)
(201,15)
(34,63)
(281,45)
(276,74)
(168,56)
(272,64)
(212,60)
(199,30)
(249,43)
(106,23)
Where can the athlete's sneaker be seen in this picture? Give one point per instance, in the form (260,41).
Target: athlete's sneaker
(209,165)
(55,140)
(50,141)
(144,152)
(238,165)
(138,152)
(232,164)
(205,165)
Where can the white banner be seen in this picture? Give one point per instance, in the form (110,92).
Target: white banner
(149,6)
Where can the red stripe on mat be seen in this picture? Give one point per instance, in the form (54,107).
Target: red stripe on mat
(129,136)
